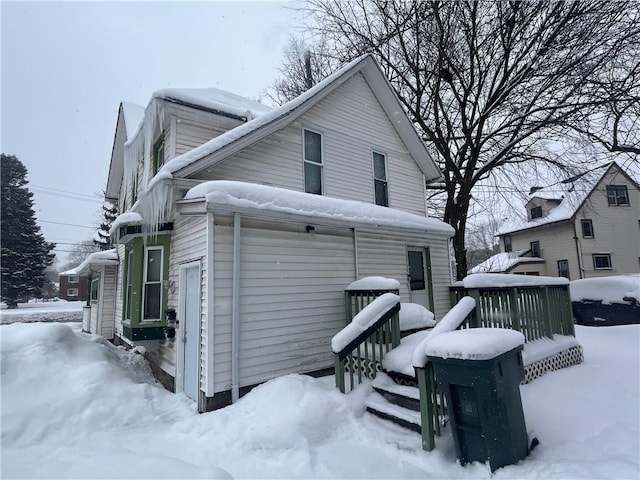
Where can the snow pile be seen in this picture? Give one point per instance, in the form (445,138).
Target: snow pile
(133,115)
(266,198)
(400,358)
(450,322)
(505,280)
(374,283)
(474,343)
(105,257)
(607,289)
(59,311)
(363,320)
(414,315)
(76,407)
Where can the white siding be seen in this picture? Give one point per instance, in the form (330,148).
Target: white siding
(385,254)
(109,301)
(291,299)
(352,125)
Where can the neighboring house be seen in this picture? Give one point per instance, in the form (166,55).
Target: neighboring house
(243,225)
(73,287)
(590,230)
(99,272)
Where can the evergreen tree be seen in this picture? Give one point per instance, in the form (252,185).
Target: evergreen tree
(109,214)
(24,252)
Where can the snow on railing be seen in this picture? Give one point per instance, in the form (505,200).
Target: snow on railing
(360,346)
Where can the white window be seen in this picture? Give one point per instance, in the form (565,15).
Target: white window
(73,278)
(72,292)
(617,195)
(95,289)
(152,292)
(602,261)
(380,179)
(312,162)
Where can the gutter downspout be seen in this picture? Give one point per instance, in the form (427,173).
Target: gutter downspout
(578,254)
(235,312)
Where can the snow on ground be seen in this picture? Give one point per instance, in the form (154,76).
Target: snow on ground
(74,406)
(58,311)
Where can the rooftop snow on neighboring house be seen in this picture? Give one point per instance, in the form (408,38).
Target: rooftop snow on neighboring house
(501,262)
(106,257)
(133,116)
(572,199)
(215,99)
(262,197)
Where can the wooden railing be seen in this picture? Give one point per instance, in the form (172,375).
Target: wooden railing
(536,311)
(356,300)
(362,356)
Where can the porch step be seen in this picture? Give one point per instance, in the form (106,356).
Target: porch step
(379,406)
(401,395)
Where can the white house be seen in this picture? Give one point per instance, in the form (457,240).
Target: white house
(243,225)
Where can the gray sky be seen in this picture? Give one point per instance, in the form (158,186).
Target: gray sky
(67,65)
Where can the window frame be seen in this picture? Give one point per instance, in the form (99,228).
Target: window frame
(587,222)
(376,180)
(94,291)
(606,256)
(537,209)
(508,246)
(158,147)
(73,278)
(535,248)
(613,193)
(561,270)
(70,290)
(128,285)
(305,161)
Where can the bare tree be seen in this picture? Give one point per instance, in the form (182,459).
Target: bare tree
(488,83)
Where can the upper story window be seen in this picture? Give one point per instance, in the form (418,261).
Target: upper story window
(587,228)
(73,279)
(507,243)
(617,195)
(602,261)
(158,154)
(563,268)
(536,212)
(313,162)
(380,179)
(535,249)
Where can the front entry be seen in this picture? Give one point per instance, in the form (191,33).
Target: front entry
(190,277)
(418,263)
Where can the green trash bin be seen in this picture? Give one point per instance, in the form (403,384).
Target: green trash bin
(480,370)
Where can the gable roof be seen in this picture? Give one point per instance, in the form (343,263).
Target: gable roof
(231,142)
(130,117)
(572,199)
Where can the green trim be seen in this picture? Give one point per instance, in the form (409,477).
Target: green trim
(134,328)
(143,333)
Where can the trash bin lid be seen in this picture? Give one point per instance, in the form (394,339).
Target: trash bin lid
(474,343)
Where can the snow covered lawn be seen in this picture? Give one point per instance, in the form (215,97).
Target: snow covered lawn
(59,311)
(74,406)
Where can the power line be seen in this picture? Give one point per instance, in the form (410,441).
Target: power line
(71,196)
(67,224)
(92,197)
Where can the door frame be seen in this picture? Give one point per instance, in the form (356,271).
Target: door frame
(428,276)
(182,305)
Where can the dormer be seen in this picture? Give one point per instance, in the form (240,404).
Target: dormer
(539,207)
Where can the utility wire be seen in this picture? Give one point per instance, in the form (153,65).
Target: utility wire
(67,224)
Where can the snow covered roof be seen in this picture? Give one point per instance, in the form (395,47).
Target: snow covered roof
(215,99)
(106,257)
(133,115)
(573,199)
(244,135)
(503,262)
(251,198)
(127,218)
